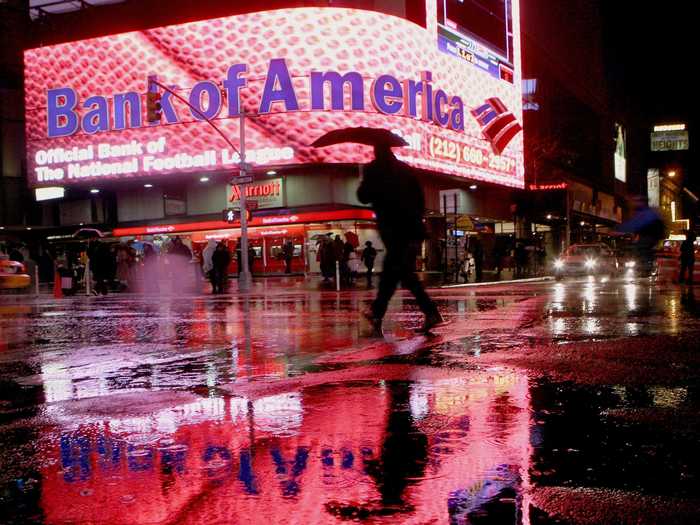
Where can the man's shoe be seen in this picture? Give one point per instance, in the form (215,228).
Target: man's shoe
(431,321)
(375,323)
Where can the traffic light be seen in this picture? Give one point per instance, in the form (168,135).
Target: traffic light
(232,215)
(153,106)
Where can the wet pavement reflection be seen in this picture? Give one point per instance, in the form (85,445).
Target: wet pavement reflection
(278,408)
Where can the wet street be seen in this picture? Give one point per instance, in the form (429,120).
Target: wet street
(571,402)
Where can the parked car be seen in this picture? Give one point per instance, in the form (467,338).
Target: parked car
(13,274)
(586,259)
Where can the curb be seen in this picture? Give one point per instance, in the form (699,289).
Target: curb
(496,283)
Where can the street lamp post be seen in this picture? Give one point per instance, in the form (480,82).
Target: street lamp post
(245,279)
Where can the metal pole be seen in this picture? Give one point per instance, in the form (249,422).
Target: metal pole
(36,279)
(444,268)
(88,291)
(245,279)
(337,276)
(567,235)
(454,238)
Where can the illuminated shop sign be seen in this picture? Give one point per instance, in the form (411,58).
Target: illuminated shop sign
(268,193)
(388,95)
(550,186)
(296,73)
(269,220)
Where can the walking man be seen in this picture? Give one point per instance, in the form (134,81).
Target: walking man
(395,194)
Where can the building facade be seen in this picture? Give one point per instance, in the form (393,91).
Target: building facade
(451,88)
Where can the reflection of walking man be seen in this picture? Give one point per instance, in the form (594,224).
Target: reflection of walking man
(397,199)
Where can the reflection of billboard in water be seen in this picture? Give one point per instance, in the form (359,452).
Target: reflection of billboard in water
(412,449)
(297,72)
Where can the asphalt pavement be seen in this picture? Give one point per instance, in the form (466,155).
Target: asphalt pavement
(569,402)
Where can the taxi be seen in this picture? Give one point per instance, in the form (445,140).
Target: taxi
(12,274)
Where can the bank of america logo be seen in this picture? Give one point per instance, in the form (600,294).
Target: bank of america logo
(498,124)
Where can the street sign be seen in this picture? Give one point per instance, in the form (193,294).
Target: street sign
(464,222)
(242,180)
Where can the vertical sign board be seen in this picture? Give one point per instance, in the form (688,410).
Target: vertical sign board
(620,157)
(653,187)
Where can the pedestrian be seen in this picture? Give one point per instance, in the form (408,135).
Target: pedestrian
(207,265)
(150,269)
(15,254)
(239,261)
(101,263)
(348,250)
(541,259)
(220,261)
(327,258)
(287,255)
(687,258)
(477,251)
(123,259)
(207,253)
(396,196)
(649,228)
(369,254)
(353,267)
(251,258)
(182,270)
(180,249)
(520,259)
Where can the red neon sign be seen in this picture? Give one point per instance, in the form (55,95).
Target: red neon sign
(270,220)
(553,186)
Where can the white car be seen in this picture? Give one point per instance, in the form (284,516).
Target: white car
(586,259)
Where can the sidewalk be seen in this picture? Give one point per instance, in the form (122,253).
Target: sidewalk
(265,285)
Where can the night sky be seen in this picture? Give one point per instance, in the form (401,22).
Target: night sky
(651,54)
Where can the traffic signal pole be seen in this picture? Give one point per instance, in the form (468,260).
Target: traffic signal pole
(245,280)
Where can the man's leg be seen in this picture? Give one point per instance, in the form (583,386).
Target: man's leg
(691,267)
(387,283)
(369,277)
(409,280)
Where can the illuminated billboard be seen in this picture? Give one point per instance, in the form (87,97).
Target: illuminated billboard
(620,156)
(296,73)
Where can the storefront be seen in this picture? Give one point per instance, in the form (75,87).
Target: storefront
(90,137)
(267,234)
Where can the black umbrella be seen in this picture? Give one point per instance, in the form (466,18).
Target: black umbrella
(88,233)
(361,135)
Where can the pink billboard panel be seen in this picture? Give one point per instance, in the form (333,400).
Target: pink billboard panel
(295,73)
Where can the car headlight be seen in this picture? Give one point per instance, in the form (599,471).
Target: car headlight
(558,264)
(591,263)
(630,264)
